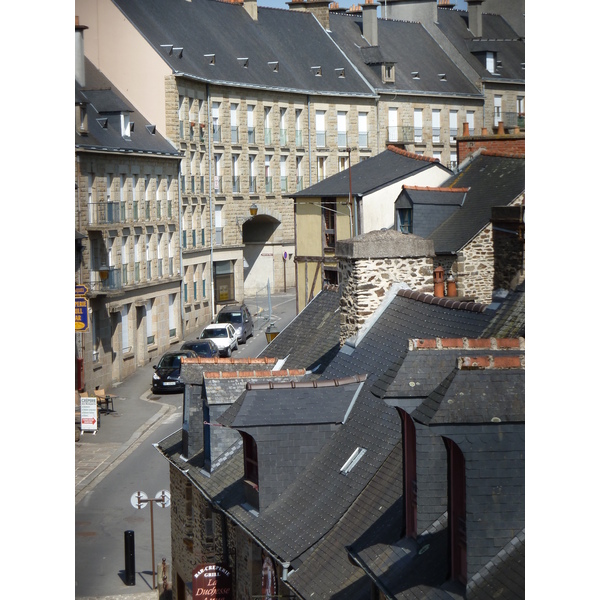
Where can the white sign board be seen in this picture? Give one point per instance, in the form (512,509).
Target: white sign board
(89,413)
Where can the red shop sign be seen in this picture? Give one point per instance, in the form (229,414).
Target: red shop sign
(212,581)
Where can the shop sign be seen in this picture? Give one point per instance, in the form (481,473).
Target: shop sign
(212,581)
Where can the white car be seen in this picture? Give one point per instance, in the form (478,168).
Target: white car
(223,335)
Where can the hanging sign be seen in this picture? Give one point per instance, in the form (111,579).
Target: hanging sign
(212,581)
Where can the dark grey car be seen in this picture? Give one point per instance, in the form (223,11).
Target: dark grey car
(241,319)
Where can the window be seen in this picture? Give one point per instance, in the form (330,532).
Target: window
(490,62)
(159,255)
(125,126)
(457,511)
(453,125)
(250,119)
(125,347)
(149,325)
(404,223)
(497,110)
(235,183)
(218,225)
(283,137)
(268,134)
(418,124)
(471,121)
(250,470)
(342,163)
(172,323)
(341,127)
(328,210)
(352,461)
(124,258)
(181,117)
(388,73)
(321,168)
(218,178)
(224,281)
(268,177)
(149,254)
(252,182)
(409,447)
(216,128)
(363,139)
(298,127)
(393,124)
(299,177)
(235,138)
(320,128)
(283,174)
(436,125)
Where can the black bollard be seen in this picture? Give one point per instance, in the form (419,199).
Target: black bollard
(129,558)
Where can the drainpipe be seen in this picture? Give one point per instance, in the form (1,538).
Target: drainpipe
(210,199)
(181,292)
(309,145)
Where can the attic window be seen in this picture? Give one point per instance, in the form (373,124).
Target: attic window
(125,126)
(211,58)
(317,71)
(274,65)
(341,73)
(243,62)
(353,460)
(415,75)
(388,73)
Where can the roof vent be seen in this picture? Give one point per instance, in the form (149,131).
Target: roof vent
(151,129)
(274,64)
(317,71)
(168,48)
(103,122)
(353,460)
(442,76)
(243,62)
(178,52)
(211,58)
(341,73)
(415,75)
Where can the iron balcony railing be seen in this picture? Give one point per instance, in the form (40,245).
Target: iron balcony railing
(268,136)
(235,134)
(218,236)
(268,185)
(321,139)
(363,140)
(284,183)
(299,183)
(106,280)
(235,184)
(513,119)
(251,135)
(298,137)
(216,129)
(283,140)
(104,213)
(252,184)
(401,133)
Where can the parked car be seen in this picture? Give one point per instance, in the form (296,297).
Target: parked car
(203,348)
(241,319)
(167,373)
(223,335)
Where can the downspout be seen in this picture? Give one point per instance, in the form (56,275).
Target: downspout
(210,199)
(309,146)
(181,302)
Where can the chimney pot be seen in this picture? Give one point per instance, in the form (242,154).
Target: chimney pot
(484,131)
(500,128)
(466,130)
(438,282)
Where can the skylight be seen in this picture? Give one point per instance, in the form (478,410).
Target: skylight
(353,460)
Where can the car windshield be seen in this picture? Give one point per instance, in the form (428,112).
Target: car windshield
(230,317)
(171,360)
(202,348)
(220,332)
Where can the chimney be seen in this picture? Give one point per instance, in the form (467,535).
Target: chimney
(475,17)
(251,8)
(421,11)
(370,264)
(79,53)
(369,22)
(319,8)
(438,282)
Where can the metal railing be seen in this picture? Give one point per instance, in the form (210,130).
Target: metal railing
(401,133)
(104,213)
(513,119)
(106,281)
(283,140)
(298,137)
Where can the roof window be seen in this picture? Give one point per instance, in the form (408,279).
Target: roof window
(353,460)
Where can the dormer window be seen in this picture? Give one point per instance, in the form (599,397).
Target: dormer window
(250,469)
(388,74)
(81,117)
(490,62)
(125,126)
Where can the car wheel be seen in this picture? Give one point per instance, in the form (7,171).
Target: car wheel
(243,340)
(236,345)
(228,351)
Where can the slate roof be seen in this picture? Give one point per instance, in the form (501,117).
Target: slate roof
(493,180)
(410,47)
(312,338)
(497,36)
(387,167)
(323,510)
(104,102)
(293,39)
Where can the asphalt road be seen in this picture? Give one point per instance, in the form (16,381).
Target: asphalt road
(104,510)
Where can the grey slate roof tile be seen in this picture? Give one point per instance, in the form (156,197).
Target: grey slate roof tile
(493,181)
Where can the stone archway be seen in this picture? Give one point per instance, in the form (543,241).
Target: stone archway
(259,235)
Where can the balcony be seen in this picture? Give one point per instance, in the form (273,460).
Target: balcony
(104,213)
(268,136)
(235,184)
(252,184)
(251,135)
(299,183)
(283,137)
(401,133)
(235,134)
(513,119)
(298,137)
(219,184)
(342,139)
(216,131)
(104,281)
(269,185)
(363,140)
(321,139)
(284,183)
(218,236)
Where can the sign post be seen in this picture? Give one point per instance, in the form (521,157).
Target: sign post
(139,500)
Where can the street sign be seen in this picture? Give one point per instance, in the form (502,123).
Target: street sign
(89,413)
(81,314)
(139,500)
(81,290)
(164,498)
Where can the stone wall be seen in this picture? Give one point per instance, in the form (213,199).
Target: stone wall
(369,265)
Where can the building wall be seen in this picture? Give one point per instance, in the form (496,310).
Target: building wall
(108,218)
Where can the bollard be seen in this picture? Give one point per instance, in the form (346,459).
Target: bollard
(129,558)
